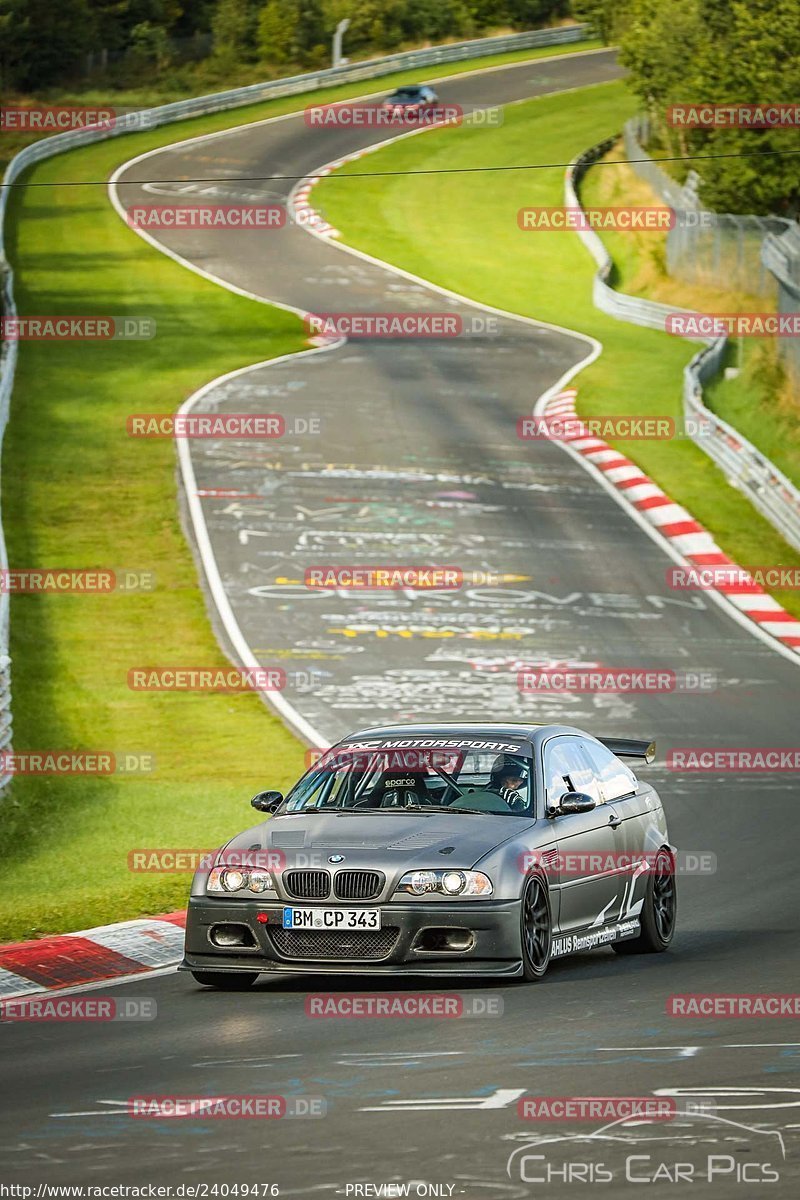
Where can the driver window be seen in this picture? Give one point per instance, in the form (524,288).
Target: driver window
(567,769)
(616,780)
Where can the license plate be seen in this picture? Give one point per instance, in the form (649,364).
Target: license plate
(331,918)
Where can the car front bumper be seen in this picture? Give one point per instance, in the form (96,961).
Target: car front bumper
(487,934)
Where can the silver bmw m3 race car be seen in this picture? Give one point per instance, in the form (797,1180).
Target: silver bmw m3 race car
(459,849)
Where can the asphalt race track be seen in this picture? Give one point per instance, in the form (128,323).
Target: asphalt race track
(419,461)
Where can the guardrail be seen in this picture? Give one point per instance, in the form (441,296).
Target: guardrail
(8,362)
(202,106)
(767,488)
(616,304)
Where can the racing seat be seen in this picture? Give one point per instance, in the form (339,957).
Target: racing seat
(397,789)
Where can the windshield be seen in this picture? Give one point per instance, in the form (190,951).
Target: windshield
(367,778)
(406,94)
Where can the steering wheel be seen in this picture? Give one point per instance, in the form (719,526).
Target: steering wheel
(514,800)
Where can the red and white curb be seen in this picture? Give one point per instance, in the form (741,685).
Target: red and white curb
(92,955)
(299,204)
(687,536)
(301,209)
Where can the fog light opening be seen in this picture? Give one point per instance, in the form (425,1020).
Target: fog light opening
(229,937)
(452,941)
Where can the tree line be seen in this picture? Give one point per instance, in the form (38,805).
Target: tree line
(676,52)
(47,44)
(715,52)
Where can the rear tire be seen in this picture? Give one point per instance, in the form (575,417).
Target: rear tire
(659,910)
(226,981)
(536,929)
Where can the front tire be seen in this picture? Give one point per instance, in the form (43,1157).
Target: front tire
(659,910)
(226,981)
(536,929)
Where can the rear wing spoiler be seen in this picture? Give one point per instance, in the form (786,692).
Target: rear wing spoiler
(630,748)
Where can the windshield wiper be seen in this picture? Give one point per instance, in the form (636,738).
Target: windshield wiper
(430,809)
(351,809)
(481,812)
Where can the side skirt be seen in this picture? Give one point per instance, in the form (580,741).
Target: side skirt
(576,943)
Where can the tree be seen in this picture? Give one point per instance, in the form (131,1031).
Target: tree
(233,30)
(606,17)
(528,14)
(44,42)
(149,45)
(706,52)
(277,31)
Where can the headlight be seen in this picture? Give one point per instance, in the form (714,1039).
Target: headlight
(447,883)
(232,881)
(227,879)
(260,881)
(419,882)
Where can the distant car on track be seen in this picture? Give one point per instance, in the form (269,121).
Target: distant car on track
(441,850)
(410,101)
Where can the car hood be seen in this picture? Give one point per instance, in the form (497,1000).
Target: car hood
(384,839)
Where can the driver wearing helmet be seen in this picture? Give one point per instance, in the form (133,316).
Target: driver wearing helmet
(508,778)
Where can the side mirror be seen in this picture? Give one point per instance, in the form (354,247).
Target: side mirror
(575,802)
(267,802)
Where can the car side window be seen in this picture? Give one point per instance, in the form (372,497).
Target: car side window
(616,780)
(568,769)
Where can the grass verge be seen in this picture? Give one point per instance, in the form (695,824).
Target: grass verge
(460,231)
(78,492)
